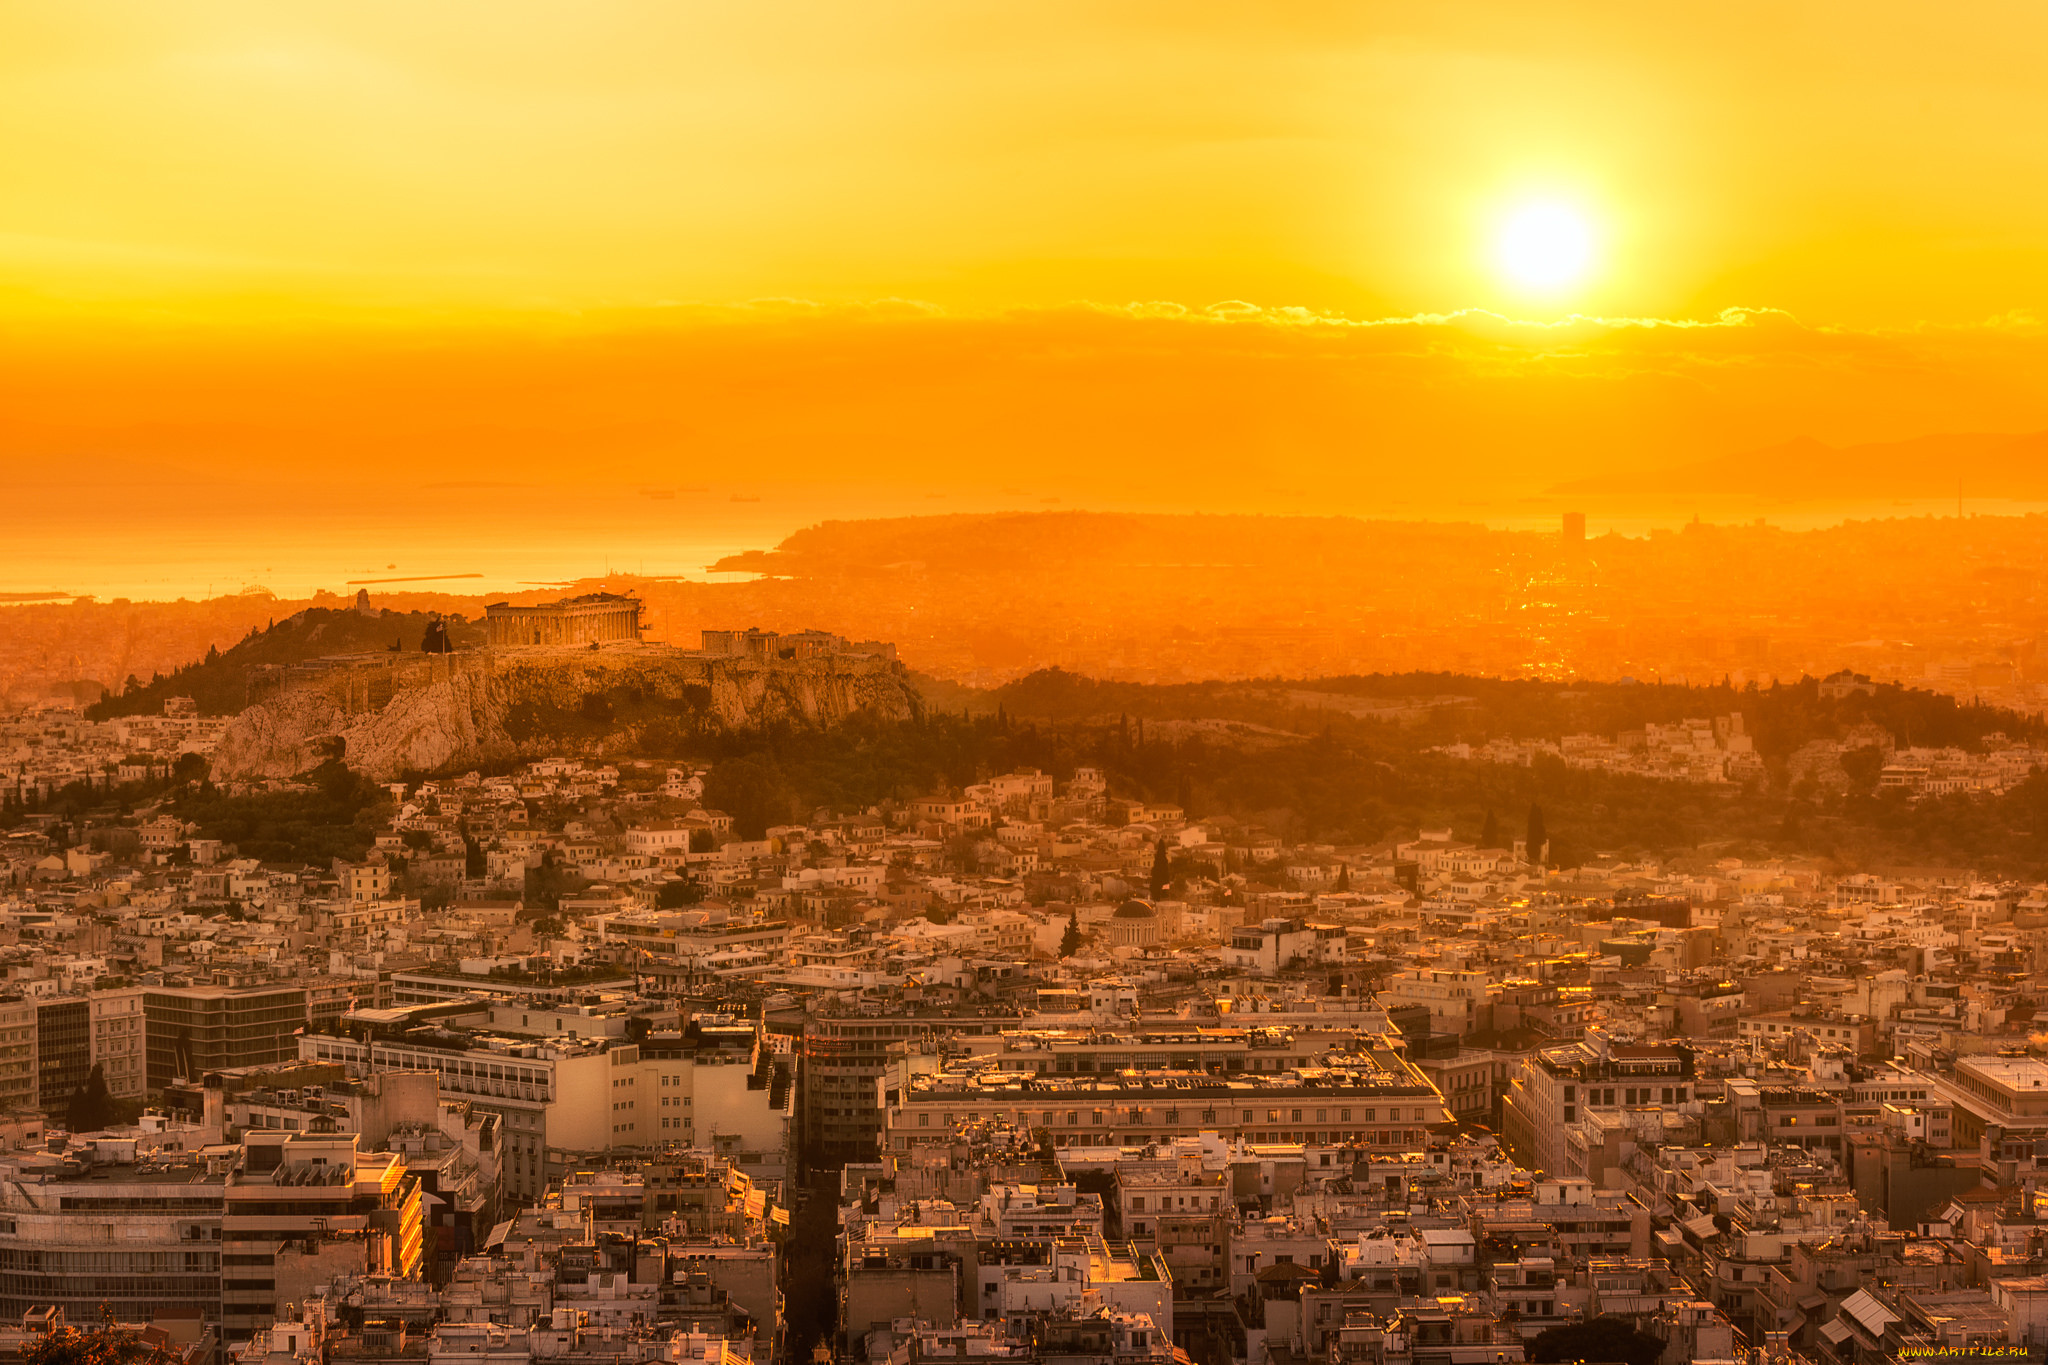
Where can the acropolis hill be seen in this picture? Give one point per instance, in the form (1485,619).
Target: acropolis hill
(588,686)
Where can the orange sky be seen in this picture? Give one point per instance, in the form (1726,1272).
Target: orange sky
(1132,408)
(243,239)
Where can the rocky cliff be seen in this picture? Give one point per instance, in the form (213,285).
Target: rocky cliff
(385,715)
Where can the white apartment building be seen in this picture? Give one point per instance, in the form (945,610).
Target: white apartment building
(118,1047)
(1456,999)
(565,1095)
(1272,946)
(557,1094)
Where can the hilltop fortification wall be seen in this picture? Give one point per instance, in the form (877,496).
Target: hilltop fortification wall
(385,715)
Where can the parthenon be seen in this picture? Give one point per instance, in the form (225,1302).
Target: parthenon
(597,618)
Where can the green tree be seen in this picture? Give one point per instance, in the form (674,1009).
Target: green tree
(678,892)
(546,884)
(1604,1338)
(341,818)
(106,1344)
(1864,766)
(92,1107)
(1538,836)
(754,791)
(1489,833)
(1070,942)
(1162,869)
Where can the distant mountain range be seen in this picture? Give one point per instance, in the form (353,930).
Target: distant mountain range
(1989,465)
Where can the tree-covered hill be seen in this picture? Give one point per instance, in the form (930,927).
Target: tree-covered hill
(1372,784)
(1439,708)
(219,682)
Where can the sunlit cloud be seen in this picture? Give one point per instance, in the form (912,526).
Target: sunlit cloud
(1105,403)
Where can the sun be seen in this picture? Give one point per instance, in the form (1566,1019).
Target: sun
(1545,247)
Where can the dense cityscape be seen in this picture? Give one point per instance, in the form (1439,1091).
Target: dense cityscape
(558,1058)
(1133,683)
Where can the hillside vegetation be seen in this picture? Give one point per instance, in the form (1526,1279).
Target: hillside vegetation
(1338,779)
(219,683)
(1420,710)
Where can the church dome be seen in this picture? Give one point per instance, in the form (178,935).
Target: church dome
(1135,909)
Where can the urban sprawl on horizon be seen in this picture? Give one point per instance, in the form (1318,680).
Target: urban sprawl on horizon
(559,1060)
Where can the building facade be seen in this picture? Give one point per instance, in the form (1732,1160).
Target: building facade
(191,1030)
(130,1236)
(843,1057)
(594,619)
(17,1056)
(1243,1085)
(117,1041)
(63,1049)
